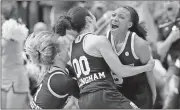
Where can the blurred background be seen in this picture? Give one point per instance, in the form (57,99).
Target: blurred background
(154,15)
(32,12)
(47,12)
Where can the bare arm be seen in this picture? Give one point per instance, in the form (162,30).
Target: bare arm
(143,52)
(69,53)
(151,81)
(105,48)
(164,46)
(171,100)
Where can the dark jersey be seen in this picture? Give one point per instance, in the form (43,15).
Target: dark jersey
(134,85)
(54,90)
(92,73)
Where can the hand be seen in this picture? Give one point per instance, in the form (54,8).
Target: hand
(175,34)
(108,14)
(150,64)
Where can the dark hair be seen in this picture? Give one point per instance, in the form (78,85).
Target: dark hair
(74,19)
(136,27)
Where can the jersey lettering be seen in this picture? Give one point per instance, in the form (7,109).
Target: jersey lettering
(33,105)
(77,67)
(90,78)
(81,66)
(82,70)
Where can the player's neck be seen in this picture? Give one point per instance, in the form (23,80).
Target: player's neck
(87,30)
(119,37)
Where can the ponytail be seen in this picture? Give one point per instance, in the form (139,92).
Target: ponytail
(63,23)
(75,19)
(41,47)
(139,30)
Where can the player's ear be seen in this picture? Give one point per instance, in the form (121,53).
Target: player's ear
(88,19)
(130,24)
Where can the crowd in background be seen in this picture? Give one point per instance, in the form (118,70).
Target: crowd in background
(158,17)
(47,12)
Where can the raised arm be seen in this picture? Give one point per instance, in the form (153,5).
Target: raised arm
(105,48)
(164,46)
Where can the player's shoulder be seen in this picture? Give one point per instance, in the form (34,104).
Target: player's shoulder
(140,42)
(57,83)
(97,36)
(141,46)
(97,39)
(57,74)
(57,70)
(101,39)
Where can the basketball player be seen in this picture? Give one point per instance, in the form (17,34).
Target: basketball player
(132,50)
(56,85)
(92,58)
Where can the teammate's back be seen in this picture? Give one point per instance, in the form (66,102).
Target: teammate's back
(92,57)
(93,73)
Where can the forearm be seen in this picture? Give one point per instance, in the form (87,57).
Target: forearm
(123,70)
(101,21)
(170,101)
(115,64)
(151,81)
(69,103)
(172,95)
(163,47)
(126,71)
(100,28)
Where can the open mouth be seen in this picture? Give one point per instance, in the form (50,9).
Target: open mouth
(113,26)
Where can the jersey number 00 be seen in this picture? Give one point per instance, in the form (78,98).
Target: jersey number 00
(81,66)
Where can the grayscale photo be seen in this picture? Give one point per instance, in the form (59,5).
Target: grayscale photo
(58,54)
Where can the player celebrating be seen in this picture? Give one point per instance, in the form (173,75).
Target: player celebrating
(132,50)
(56,85)
(92,58)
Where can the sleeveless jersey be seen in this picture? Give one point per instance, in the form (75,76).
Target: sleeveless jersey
(128,57)
(92,73)
(54,90)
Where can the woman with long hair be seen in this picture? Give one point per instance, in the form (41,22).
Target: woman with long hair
(93,58)
(55,84)
(127,37)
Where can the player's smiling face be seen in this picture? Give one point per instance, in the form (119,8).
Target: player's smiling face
(120,19)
